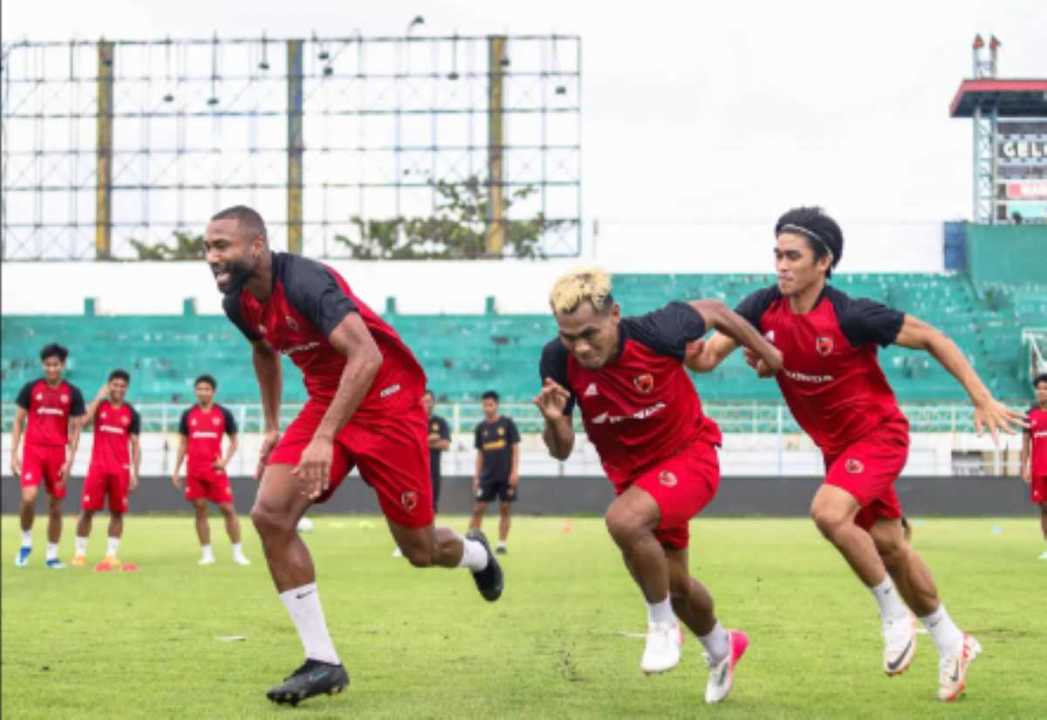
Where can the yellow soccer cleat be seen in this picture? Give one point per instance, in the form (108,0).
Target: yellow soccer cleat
(78,560)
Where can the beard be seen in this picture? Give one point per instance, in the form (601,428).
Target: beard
(236,274)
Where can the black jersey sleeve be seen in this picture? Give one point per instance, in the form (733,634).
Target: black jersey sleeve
(76,404)
(554,365)
(443,428)
(314,292)
(668,330)
(183,424)
(230,422)
(864,321)
(25,395)
(231,305)
(478,441)
(135,427)
(753,306)
(512,434)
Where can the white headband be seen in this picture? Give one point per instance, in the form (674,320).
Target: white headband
(813,235)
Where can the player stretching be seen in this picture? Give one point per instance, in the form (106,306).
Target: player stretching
(201,429)
(642,413)
(838,394)
(51,409)
(1034,453)
(115,459)
(364,408)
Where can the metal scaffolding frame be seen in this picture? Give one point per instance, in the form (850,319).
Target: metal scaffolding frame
(155,135)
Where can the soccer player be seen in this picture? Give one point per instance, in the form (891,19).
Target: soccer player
(642,413)
(201,429)
(439,442)
(115,460)
(838,394)
(497,472)
(1034,453)
(51,409)
(365,408)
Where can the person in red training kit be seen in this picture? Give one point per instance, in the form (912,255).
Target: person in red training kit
(115,459)
(202,428)
(836,390)
(51,409)
(365,409)
(1034,453)
(643,415)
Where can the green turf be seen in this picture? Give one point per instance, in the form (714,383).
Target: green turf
(78,644)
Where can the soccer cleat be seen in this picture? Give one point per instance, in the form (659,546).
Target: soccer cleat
(241,559)
(501,549)
(111,559)
(55,564)
(899,645)
(206,560)
(78,560)
(312,678)
(106,566)
(22,558)
(721,675)
(489,581)
(662,651)
(952,670)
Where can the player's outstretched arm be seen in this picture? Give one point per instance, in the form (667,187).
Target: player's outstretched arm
(989,413)
(732,325)
(269,372)
(705,355)
(558,434)
(363,360)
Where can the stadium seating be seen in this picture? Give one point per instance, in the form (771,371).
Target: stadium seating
(467,354)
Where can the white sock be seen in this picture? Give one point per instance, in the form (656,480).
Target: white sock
(717,643)
(206,551)
(947,636)
(81,545)
(27,538)
(661,612)
(892,607)
(237,550)
(303,603)
(52,551)
(112,547)
(474,555)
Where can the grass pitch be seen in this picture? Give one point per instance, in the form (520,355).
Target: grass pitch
(561,643)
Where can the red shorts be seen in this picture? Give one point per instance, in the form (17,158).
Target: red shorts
(101,482)
(390,448)
(208,484)
(1038,490)
(868,469)
(43,462)
(682,486)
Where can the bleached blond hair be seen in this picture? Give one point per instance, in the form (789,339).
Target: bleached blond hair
(584,284)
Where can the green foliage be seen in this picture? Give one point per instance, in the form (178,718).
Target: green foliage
(457,229)
(186,247)
(561,643)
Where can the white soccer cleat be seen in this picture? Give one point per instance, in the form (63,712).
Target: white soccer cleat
(239,559)
(206,560)
(952,670)
(1043,555)
(721,675)
(899,645)
(662,651)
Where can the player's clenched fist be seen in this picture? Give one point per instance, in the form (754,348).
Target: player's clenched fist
(552,400)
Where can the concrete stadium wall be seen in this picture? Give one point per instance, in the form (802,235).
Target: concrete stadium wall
(557,496)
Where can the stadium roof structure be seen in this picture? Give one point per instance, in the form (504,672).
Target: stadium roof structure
(1009,98)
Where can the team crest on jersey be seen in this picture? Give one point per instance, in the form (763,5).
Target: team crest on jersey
(409,500)
(290,322)
(104,415)
(65,399)
(644,383)
(854,467)
(39,397)
(193,422)
(824,346)
(591,391)
(501,431)
(125,421)
(667,478)
(215,421)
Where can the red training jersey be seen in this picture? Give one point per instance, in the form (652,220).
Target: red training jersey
(114,427)
(203,430)
(49,409)
(1037,431)
(641,408)
(831,379)
(307,303)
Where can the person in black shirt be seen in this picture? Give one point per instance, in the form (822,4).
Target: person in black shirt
(439,441)
(497,467)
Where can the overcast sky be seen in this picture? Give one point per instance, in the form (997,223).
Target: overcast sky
(694,112)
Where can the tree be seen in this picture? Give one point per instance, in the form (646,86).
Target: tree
(457,230)
(186,247)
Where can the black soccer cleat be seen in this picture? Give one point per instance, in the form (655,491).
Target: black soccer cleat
(489,581)
(313,678)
